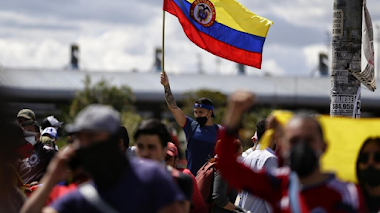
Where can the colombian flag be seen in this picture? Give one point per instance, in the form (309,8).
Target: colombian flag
(223,27)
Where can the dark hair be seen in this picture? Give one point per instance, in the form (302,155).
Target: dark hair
(153,127)
(123,134)
(31,122)
(260,128)
(204,100)
(369,140)
(308,117)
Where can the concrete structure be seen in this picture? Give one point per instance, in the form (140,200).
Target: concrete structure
(46,91)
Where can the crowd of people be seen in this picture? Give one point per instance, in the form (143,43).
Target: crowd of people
(98,170)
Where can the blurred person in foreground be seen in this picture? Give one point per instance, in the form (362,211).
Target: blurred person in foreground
(368,173)
(201,133)
(300,187)
(33,168)
(171,159)
(123,139)
(151,139)
(119,184)
(13,148)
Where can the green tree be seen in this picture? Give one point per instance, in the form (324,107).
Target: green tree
(120,98)
(102,92)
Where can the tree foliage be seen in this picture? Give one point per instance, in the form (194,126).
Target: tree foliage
(102,92)
(120,98)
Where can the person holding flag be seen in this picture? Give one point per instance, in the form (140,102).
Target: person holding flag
(201,133)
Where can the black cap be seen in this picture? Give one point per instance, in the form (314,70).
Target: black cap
(50,121)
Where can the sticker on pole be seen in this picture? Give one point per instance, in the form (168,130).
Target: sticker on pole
(338,23)
(341,76)
(343,105)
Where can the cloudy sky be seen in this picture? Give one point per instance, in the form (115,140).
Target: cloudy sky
(123,34)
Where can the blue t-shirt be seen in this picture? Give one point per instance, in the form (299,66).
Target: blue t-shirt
(145,187)
(201,146)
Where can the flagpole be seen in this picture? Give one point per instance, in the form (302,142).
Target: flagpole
(163,42)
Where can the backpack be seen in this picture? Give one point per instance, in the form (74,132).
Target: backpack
(205,181)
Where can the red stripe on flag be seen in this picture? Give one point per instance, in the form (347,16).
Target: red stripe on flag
(210,44)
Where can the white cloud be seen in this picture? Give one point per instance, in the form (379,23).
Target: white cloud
(122,35)
(312,54)
(271,67)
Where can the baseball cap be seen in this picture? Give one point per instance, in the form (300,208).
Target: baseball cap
(26,113)
(171,149)
(50,121)
(50,131)
(96,117)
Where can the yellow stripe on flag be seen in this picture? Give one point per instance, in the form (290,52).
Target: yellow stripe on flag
(344,138)
(234,15)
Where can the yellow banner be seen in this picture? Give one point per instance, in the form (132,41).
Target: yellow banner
(344,138)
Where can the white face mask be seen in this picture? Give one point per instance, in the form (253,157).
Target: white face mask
(31,140)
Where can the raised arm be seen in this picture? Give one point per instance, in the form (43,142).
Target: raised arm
(179,116)
(235,173)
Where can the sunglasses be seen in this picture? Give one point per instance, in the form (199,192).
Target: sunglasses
(364,157)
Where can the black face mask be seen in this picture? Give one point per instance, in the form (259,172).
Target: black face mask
(303,159)
(103,161)
(370,176)
(201,120)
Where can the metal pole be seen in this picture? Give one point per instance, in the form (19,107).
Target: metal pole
(378,51)
(346,47)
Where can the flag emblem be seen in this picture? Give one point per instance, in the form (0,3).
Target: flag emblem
(203,12)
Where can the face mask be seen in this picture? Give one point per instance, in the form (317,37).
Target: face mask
(24,151)
(370,176)
(303,159)
(31,140)
(201,120)
(103,161)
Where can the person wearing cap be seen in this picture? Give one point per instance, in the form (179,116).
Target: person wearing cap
(259,160)
(201,133)
(198,205)
(151,139)
(118,183)
(25,115)
(33,168)
(51,121)
(52,133)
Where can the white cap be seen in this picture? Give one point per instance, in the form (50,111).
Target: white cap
(50,131)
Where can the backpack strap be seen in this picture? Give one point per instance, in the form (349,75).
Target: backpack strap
(194,126)
(91,195)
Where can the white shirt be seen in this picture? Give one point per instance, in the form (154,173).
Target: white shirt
(258,160)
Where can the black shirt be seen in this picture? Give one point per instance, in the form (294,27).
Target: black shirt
(33,168)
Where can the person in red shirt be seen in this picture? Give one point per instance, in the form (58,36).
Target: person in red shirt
(300,187)
(171,159)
